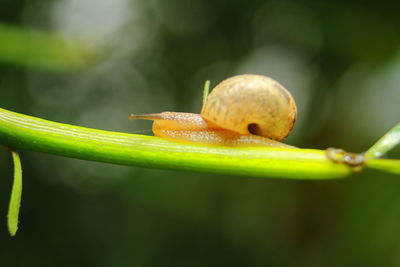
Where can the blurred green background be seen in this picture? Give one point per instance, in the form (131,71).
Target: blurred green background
(93,62)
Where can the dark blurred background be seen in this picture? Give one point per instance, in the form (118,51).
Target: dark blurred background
(93,62)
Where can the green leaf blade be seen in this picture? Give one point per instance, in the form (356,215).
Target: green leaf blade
(206,90)
(15,199)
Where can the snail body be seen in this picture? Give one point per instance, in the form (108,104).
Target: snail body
(241,110)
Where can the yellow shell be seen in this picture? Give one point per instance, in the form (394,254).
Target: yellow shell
(251,104)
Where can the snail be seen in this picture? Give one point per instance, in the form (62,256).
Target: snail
(244,110)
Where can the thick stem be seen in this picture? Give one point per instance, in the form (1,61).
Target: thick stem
(26,132)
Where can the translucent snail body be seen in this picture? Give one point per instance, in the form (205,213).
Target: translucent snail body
(250,110)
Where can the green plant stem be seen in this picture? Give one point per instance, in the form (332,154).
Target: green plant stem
(387,165)
(26,132)
(33,48)
(384,144)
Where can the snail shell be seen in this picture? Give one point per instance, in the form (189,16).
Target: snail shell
(251,104)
